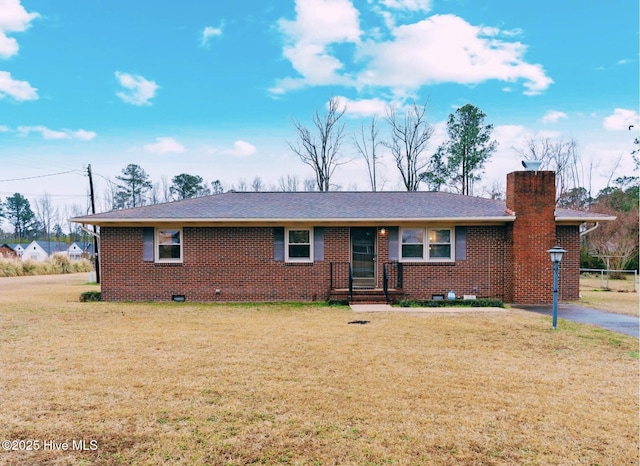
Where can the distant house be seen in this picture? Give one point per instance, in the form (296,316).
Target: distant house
(7,251)
(18,248)
(41,250)
(75,251)
(305,246)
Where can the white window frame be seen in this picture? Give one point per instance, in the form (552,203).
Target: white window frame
(286,245)
(157,244)
(425,245)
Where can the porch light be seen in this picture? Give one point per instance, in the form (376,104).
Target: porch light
(383,231)
(556,254)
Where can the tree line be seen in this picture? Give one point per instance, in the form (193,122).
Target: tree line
(456,164)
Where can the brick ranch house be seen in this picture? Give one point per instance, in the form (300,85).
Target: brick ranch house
(308,246)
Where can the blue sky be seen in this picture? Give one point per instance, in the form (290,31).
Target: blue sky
(211,88)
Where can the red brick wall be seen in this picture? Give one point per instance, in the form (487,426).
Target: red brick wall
(532,196)
(568,238)
(482,273)
(239,262)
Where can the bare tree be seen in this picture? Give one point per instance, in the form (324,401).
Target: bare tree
(257,184)
(165,189)
(409,138)
(321,151)
(46,214)
(617,240)
(557,155)
(310,185)
(71,211)
(366,143)
(290,184)
(242,186)
(495,191)
(154,193)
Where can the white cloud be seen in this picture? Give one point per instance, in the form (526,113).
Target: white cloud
(318,24)
(164,146)
(446,48)
(323,22)
(48,133)
(621,119)
(13,18)
(138,89)
(439,49)
(553,116)
(84,135)
(363,107)
(410,5)
(18,90)
(208,33)
(241,149)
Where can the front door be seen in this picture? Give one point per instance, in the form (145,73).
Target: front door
(363,256)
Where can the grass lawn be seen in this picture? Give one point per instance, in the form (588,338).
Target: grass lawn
(182,383)
(620,297)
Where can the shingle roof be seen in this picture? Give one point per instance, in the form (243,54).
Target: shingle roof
(315,206)
(269,206)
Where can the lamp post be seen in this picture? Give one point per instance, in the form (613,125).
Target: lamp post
(556,253)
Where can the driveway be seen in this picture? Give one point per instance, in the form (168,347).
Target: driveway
(584,315)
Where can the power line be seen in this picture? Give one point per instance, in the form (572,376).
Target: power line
(39,176)
(70,196)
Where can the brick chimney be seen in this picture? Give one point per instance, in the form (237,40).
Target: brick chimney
(532,196)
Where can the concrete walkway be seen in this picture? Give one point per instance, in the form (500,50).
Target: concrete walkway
(615,322)
(628,325)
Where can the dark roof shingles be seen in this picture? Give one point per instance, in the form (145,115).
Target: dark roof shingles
(317,205)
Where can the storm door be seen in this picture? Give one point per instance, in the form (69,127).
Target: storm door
(363,256)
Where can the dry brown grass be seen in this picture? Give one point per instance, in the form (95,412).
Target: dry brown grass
(286,384)
(620,297)
(56,264)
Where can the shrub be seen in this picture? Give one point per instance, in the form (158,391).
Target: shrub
(9,267)
(58,263)
(31,267)
(452,303)
(90,296)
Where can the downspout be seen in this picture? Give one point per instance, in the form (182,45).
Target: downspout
(589,230)
(92,233)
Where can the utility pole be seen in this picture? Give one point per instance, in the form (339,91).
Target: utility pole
(95,235)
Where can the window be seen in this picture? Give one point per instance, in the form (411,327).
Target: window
(413,243)
(439,243)
(169,245)
(298,245)
(426,244)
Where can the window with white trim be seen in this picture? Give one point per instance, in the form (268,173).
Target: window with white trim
(298,245)
(168,245)
(426,244)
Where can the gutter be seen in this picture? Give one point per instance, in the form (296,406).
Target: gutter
(589,230)
(228,221)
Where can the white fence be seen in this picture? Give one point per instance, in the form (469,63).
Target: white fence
(605,276)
